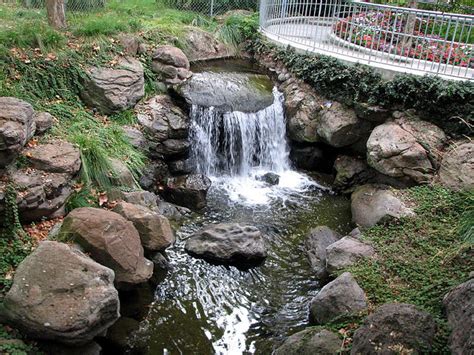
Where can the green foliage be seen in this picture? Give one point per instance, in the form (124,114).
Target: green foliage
(15,244)
(419,259)
(448,104)
(15,346)
(82,198)
(34,33)
(11,226)
(238,28)
(107,24)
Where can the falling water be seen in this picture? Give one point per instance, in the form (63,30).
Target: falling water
(235,148)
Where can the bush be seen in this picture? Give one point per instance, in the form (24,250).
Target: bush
(448,104)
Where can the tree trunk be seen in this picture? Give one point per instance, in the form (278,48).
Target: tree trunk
(56,13)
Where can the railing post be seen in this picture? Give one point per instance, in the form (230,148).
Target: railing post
(212,8)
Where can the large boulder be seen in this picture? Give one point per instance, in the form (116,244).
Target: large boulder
(55,157)
(228,243)
(165,126)
(115,89)
(171,65)
(202,45)
(302,108)
(188,190)
(154,229)
(371,204)
(311,341)
(110,240)
(338,298)
(227,92)
(17,126)
(406,148)
(459,305)
(61,294)
(395,328)
(346,252)
(317,241)
(339,126)
(457,167)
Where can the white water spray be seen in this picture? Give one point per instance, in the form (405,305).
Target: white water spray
(234,148)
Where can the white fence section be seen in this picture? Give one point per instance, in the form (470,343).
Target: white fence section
(387,37)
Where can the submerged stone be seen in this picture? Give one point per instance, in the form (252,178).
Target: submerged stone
(231,243)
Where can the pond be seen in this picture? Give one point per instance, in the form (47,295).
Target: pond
(202,308)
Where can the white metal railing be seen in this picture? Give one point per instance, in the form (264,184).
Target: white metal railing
(388,37)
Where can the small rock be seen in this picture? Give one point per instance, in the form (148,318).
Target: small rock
(43,121)
(457,167)
(459,305)
(317,241)
(395,328)
(173,211)
(189,190)
(270,178)
(340,297)
(129,43)
(228,243)
(311,341)
(110,240)
(180,167)
(154,230)
(136,138)
(346,252)
(61,294)
(121,175)
(371,204)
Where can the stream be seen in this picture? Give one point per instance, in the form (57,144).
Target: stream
(201,308)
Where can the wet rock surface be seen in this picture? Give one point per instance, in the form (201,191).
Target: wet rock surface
(459,307)
(393,329)
(317,241)
(110,240)
(60,294)
(115,89)
(371,204)
(350,172)
(311,341)
(338,298)
(228,243)
(154,229)
(17,126)
(406,147)
(457,167)
(189,190)
(228,92)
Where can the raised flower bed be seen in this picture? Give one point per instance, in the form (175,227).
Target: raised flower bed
(387,31)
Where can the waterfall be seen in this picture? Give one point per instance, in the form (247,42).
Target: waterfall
(238,143)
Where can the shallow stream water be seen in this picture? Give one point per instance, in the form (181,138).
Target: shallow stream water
(202,308)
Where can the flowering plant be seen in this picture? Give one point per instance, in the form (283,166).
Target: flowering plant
(387,31)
